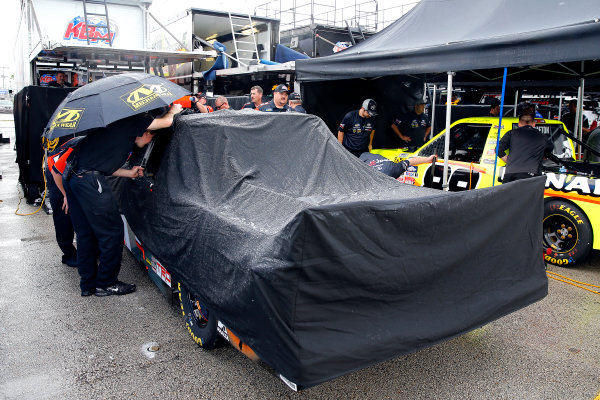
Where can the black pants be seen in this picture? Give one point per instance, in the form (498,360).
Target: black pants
(63,228)
(516,176)
(99,229)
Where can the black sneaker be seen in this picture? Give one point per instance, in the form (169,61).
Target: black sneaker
(118,288)
(87,292)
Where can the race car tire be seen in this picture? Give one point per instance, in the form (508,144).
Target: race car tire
(567,233)
(199,321)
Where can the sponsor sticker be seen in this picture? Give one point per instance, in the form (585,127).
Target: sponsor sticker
(144,95)
(67,118)
(161,271)
(577,184)
(222,329)
(46,79)
(291,384)
(96,29)
(408,176)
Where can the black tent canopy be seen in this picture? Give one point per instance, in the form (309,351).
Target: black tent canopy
(552,36)
(545,43)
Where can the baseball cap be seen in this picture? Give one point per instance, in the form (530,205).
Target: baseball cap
(281,88)
(370,106)
(295,96)
(200,94)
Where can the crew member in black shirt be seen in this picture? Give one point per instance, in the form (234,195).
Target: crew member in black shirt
(413,127)
(356,130)
(569,120)
(494,108)
(279,102)
(94,211)
(527,147)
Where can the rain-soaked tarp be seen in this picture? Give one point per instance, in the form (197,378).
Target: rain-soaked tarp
(319,263)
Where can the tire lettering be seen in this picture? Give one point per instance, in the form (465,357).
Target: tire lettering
(558,261)
(575,216)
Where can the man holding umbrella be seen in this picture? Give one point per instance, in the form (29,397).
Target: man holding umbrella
(102,152)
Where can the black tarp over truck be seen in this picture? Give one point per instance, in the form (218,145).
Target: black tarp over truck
(319,263)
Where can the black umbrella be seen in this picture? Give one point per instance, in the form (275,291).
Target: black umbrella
(107,100)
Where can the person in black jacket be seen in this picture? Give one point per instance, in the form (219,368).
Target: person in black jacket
(527,147)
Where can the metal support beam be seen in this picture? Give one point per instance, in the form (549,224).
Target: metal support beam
(560,101)
(433,99)
(447,134)
(579,116)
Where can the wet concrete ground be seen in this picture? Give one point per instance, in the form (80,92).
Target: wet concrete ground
(55,344)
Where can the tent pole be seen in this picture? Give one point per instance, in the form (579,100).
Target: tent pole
(447,134)
(560,99)
(432,132)
(500,124)
(577,132)
(516,103)
(580,119)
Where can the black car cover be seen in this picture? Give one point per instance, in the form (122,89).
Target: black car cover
(319,263)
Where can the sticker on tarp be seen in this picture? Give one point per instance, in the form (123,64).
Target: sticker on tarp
(291,384)
(488,161)
(491,152)
(222,329)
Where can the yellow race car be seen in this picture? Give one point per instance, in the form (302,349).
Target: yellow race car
(572,199)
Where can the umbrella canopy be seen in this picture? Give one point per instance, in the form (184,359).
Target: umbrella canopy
(107,100)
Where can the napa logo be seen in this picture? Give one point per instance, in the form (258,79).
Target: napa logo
(144,95)
(67,118)
(96,28)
